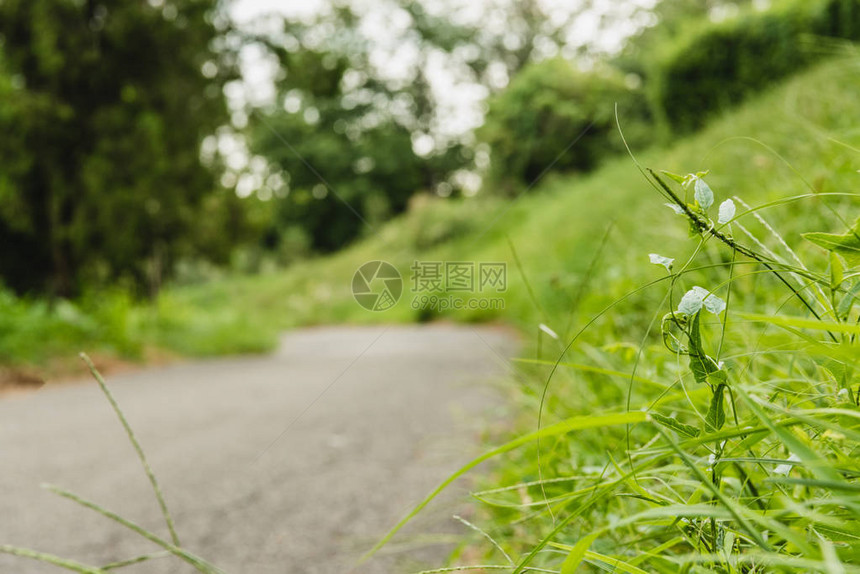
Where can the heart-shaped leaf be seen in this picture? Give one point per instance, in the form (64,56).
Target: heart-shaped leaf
(704,195)
(727,211)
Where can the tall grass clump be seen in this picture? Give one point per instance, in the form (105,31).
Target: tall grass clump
(725,437)
(38,333)
(33,331)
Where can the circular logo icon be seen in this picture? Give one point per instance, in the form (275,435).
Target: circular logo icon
(377,285)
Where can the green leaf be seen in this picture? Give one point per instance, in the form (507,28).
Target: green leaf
(714,304)
(676,425)
(815,483)
(727,211)
(658,259)
(693,300)
(846,244)
(816,463)
(674,176)
(576,555)
(690,303)
(844,307)
(718,377)
(737,511)
(701,364)
(837,271)
(615,564)
(716,417)
(676,208)
(803,323)
(693,227)
(704,195)
(669,339)
(837,369)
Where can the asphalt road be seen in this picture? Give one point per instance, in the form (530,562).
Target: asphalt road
(295,462)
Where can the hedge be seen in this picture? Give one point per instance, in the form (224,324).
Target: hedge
(716,65)
(531,125)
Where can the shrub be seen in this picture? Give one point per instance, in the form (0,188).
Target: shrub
(433,222)
(716,65)
(531,124)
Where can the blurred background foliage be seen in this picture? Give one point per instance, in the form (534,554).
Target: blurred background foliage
(133,154)
(553,116)
(712,66)
(104,107)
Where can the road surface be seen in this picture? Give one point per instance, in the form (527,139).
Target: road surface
(296,462)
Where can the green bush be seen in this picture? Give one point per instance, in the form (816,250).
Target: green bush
(531,124)
(716,65)
(34,330)
(435,221)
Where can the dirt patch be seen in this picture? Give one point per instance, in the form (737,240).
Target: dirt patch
(18,379)
(28,378)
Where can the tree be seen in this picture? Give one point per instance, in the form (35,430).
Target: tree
(339,145)
(553,116)
(106,103)
(669,20)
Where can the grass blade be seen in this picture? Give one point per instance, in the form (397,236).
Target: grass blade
(198,563)
(149,474)
(51,559)
(135,560)
(577,554)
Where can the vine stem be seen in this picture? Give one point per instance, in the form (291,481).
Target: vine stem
(705,227)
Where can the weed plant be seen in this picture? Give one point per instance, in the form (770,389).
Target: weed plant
(735,448)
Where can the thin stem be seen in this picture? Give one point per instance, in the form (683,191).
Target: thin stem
(135,560)
(199,564)
(705,228)
(728,305)
(137,448)
(51,559)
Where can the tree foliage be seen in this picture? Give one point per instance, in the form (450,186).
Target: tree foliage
(103,106)
(712,66)
(555,117)
(340,142)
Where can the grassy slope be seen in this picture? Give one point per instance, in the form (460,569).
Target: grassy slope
(555,227)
